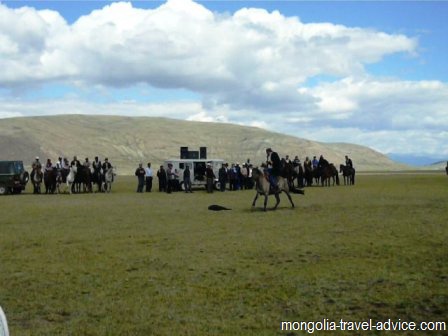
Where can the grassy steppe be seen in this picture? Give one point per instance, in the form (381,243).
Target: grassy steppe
(159,264)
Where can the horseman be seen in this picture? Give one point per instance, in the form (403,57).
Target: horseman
(65,169)
(48,166)
(296,161)
(36,175)
(96,165)
(274,166)
(36,164)
(59,164)
(322,162)
(86,163)
(315,163)
(106,166)
(348,162)
(75,162)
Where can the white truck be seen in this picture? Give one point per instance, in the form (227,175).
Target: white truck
(197,170)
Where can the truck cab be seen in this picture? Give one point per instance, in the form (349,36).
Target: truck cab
(197,170)
(13,177)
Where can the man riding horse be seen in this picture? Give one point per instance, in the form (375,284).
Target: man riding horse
(274,167)
(36,175)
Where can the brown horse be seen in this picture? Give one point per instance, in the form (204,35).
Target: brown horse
(50,175)
(348,173)
(328,172)
(263,187)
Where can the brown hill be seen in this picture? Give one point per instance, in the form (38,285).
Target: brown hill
(130,140)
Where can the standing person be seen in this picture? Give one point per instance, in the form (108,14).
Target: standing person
(210,175)
(140,173)
(243,172)
(250,181)
(239,177)
(187,179)
(222,176)
(161,175)
(148,177)
(171,177)
(231,176)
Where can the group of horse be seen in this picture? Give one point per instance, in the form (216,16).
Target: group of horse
(76,179)
(305,177)
(324,175)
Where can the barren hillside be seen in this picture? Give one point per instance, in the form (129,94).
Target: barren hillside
(130,140)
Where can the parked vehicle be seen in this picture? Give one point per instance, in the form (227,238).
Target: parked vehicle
(197,169)
(13,177)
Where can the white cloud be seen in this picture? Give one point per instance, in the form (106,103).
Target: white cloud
(249,68)
(183,44)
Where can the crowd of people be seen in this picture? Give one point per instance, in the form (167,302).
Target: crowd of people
(231,177)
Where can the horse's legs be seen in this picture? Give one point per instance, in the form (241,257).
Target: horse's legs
(277,199)
(265,201)
(289,197)
(255,199)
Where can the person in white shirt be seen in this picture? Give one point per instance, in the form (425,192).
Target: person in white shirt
(148,177)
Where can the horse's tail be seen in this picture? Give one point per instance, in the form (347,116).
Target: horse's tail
(298,191)
(337,178)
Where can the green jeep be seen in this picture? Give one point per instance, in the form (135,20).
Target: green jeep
(13,177)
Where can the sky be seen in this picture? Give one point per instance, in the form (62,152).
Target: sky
(372,73)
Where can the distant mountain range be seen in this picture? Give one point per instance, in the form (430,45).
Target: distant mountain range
(417,160)
(126,141)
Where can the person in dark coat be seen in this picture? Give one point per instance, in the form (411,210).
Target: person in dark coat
(222,176)
(274,165)
(140,173)
(348,162)
(161,175)
(187,179)
(210,175)
(322,162)
(96,164)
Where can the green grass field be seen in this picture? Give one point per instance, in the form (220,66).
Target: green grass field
(159,264)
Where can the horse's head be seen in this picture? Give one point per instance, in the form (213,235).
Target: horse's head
(256,173)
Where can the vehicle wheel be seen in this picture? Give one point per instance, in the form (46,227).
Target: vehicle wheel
(217,185)
(25,177)
(3,189)
(182,186)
